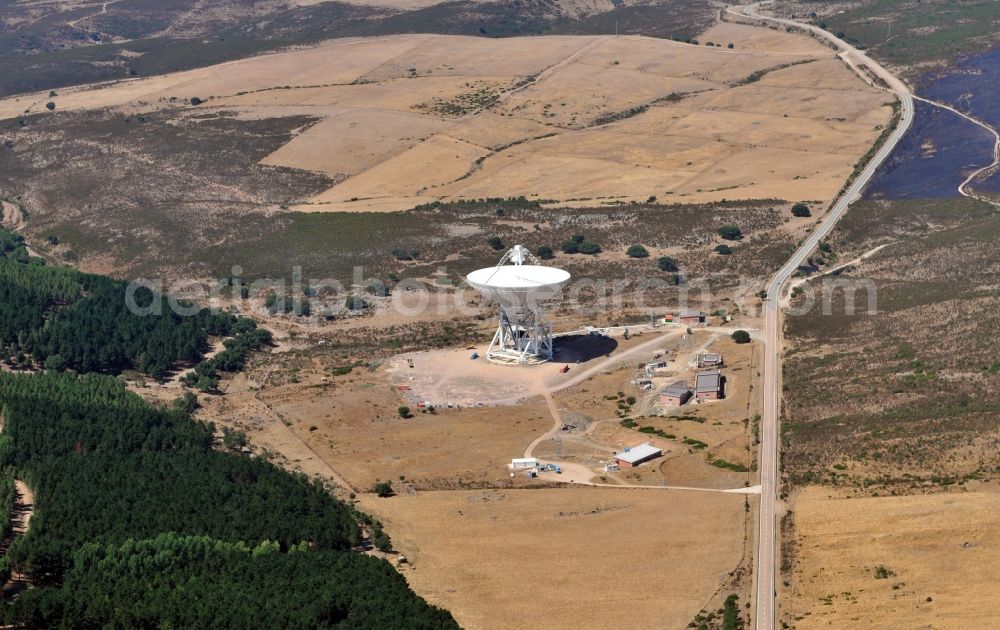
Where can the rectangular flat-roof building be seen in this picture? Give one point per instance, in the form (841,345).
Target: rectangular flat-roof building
(709,360)
(690,316)
(685,316)
(655,366)
(675,395)
(632,457)
(709,385)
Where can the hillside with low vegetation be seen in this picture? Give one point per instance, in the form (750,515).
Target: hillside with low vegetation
(913,37)
(578,126)
(921,370)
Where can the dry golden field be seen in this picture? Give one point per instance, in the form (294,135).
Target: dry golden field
(564,558)
(925,561)
(490,549)
(353,426)
(579,120)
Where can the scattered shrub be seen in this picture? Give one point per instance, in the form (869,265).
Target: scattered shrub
(355,303)
(666,263)
(637,251)
(730,232)
(883,572)
(405,254)
(377,288)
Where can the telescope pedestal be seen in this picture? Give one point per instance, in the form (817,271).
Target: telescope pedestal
(523,337)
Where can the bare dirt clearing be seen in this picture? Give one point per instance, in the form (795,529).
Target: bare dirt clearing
(566,558)
(351,425)
(902,562)
(581,120)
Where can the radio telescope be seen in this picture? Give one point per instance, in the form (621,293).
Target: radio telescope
(524,335)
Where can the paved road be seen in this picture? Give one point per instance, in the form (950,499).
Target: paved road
(764,605)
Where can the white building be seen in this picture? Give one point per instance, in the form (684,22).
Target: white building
(636,455)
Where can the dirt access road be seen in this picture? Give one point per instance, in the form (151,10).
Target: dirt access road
(583,375)
(764,600)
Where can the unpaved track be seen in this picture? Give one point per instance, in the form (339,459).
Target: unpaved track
(614,359)
(24,508)
(104,9)
(576,379)
(765,572)
(786,300)
(996,149)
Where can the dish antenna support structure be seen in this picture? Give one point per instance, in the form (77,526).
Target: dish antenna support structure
(524,335)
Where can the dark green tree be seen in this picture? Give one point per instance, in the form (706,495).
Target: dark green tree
(801,210)
(55,362)
(570,247)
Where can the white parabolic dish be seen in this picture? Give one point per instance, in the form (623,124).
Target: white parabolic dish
(518,285)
